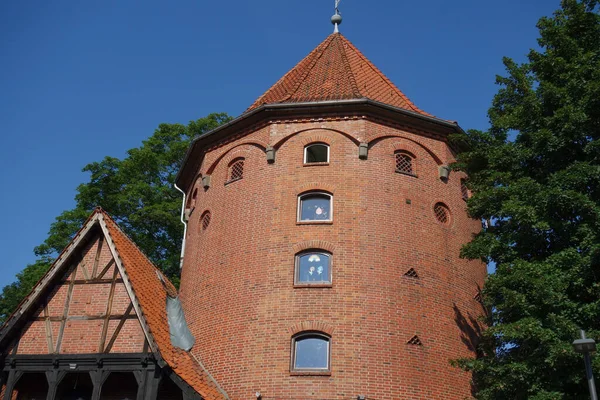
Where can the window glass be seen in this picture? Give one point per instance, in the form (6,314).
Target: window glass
(315,207)
(316,153)
(311,352)
(313,268)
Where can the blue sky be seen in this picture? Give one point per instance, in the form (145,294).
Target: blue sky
(83,80)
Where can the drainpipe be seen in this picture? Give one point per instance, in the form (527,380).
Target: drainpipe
(184,225)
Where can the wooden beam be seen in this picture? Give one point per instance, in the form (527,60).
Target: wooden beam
(40,288)
(85,318)
(108,311)
(119,362)
(13,378)
(98,378)
(97,259)
(152,381)
(132,296)
(16,344)
(61,331)
(54,378)
(48,328)
(84,272)
(94,281)
(118,329)
(105,270)
(140,377)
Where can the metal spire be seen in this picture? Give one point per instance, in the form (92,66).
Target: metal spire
(336,20)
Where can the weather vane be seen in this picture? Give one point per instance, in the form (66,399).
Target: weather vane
(336,20)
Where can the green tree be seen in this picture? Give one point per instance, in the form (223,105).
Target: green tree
(137,192)
(540,193)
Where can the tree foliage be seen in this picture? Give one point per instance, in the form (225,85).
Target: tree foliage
(137,191)
(541,195)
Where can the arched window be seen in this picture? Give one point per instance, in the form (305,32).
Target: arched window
(464,190)
(194,197)
(310,352)
(316,153)
(405,163)
(313,267)
(442,214)
(315,206)
(205,220)
(236,170)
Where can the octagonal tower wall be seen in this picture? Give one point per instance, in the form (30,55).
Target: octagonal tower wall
(237,284)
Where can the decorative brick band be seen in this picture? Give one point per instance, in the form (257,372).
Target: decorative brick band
(317,137)
(406,147)
(239,153)
(256,143)
(411,146)
(313,244)
(314,326)
(315,186)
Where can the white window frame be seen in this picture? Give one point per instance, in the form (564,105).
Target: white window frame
(299,207)
(315,144)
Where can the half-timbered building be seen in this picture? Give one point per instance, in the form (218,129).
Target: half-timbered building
(102,323)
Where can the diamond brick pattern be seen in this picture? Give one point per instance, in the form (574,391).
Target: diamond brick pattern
(415,341)
(411,273)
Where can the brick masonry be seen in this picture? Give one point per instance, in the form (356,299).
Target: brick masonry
(86,309)
(237,282)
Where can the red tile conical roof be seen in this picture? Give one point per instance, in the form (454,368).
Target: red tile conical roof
(335,70)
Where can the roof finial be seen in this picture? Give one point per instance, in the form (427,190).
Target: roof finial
(336,20)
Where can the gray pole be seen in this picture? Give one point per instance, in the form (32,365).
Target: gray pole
(588,371)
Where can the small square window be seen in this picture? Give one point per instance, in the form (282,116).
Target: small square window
(316,153)
(310,352)
(313,268)
(315,207)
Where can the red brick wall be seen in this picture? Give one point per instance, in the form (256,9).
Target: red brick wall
(88,299)
(237,281)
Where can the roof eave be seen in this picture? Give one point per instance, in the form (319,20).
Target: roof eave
(287,109)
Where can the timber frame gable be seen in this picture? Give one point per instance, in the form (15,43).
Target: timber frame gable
(99,309)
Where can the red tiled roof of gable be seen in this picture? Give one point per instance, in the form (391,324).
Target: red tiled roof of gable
(335,70)
(152,298)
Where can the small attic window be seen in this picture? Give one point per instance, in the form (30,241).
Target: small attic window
(236,170)
(442,214)
(405,163)
(205,220)
(316,153)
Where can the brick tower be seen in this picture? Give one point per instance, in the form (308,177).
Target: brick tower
(322,248)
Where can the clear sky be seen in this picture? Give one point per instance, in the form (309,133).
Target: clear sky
(80,80)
